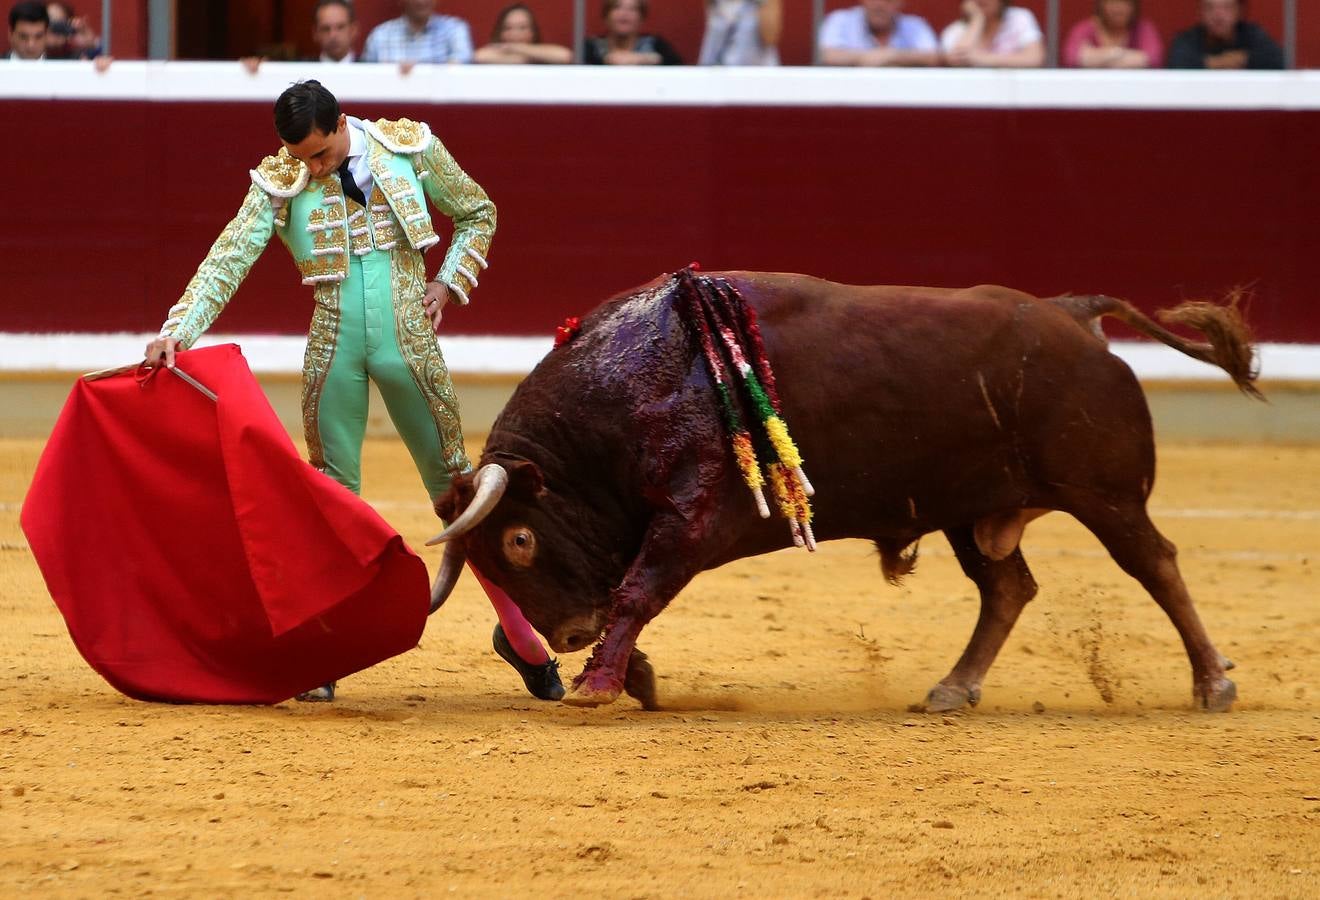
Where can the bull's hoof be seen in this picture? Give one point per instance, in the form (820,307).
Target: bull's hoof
(594,689)
(639,681)
(947,697)
(584,696)
(1217,695)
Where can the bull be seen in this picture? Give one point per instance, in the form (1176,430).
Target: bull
(607,483)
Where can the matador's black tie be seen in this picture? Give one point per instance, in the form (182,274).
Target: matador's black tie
(350,184)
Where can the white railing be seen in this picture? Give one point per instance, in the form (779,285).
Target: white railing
(687,86)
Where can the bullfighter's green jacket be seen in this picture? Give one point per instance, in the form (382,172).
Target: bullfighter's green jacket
(313,220)
(348,252)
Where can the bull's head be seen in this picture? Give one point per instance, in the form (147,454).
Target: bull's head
(549,554)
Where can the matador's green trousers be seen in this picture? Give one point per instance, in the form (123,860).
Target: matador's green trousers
(382,333)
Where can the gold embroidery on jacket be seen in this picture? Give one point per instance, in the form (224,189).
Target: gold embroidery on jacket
(280,175)
(224,268)
(359,231)
(460,198)
(400,135)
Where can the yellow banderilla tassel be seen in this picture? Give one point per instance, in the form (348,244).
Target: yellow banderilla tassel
(783,444)
(746,456)
(790,496)
(751,471)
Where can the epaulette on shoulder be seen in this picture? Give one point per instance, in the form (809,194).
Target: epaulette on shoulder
(281,175)
(400,135)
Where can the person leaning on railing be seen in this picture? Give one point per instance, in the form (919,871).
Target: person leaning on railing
(516,40)
(624,43)
(877,33)
(1115,36)
(1224,40)
(994,33)
(420,35)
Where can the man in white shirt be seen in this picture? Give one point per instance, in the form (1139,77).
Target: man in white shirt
(420,35)
(28,23)
(877,33)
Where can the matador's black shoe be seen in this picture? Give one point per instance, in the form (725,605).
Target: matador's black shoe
(542,681)
(324,694)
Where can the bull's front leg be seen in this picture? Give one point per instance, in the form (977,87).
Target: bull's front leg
(667,561)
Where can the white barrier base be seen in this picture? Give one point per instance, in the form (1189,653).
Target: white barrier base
(516,356)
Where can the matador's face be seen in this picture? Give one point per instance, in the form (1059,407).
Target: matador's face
(320,151)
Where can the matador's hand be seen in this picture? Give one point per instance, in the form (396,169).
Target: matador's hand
(437,295)
(161,347)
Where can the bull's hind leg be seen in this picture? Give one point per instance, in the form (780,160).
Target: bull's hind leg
(1145,554)
(1006,586)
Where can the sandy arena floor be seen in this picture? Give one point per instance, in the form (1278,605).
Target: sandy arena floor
(787,763)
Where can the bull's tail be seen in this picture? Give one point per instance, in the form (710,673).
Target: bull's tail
(1229,345)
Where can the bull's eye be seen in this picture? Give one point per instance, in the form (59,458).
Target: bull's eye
(519,545)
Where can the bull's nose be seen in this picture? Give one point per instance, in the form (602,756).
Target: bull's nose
(577,640)
(571,640)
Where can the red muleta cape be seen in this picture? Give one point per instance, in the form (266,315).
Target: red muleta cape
(196,557)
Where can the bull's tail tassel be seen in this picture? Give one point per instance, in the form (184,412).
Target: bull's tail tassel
(730,339)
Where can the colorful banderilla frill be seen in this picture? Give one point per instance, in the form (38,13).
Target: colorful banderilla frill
(713,307)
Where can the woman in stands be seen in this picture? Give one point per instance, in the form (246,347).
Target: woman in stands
(516,40)
(1114,37)
(623,43)
(994,33)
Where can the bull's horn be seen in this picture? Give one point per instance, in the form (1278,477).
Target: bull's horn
(451,564)
(490,483)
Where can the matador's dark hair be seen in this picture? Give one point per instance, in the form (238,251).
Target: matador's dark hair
(302,107)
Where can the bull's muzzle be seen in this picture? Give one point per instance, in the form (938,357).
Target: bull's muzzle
(575,634)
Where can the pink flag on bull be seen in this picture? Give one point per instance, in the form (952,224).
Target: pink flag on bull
(196,557)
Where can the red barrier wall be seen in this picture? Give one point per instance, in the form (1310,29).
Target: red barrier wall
(1151,205)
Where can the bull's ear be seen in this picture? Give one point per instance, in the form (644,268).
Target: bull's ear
(452,502)
(525,478)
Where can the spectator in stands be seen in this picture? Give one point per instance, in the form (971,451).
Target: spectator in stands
(742,33)
(335,31)
(420,35)
(28,24)
(516,40)
(69,36)
(1114,37)
(877,33)
(623,43)
(1223,40)
(994,33)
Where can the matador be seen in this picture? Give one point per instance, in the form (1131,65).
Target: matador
(348,199)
